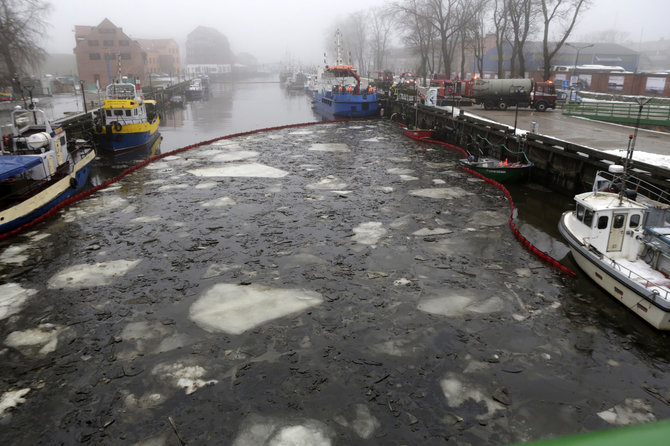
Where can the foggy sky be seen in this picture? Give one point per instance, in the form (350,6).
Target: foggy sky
(278,30)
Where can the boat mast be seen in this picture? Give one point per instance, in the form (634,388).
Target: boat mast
(641,102)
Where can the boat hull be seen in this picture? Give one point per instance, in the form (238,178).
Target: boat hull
(419,134)
(129,137)
(45,200)
(346,105)
(501,174)
(616,284)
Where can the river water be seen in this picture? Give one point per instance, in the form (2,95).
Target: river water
(335,284)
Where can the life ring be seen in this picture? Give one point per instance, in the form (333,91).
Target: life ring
(73,182)
(117,126)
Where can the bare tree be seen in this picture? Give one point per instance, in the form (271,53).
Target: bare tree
(381,24)
(564,13)
(480,13)
(522,14)
(444,15)
(501,28)
(354,40)
(20,22)
(419,32)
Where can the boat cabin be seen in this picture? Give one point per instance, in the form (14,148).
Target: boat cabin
(608,227)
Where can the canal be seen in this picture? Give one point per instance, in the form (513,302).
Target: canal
(333,284)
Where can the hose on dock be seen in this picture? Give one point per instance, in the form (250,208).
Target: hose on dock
(144,163)
(524,241)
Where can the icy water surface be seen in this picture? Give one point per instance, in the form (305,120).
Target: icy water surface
(329,285)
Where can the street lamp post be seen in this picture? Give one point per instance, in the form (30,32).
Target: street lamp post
(574,70)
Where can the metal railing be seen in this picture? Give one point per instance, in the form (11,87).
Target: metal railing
(619,112)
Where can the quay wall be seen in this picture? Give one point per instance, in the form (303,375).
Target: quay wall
(560,165)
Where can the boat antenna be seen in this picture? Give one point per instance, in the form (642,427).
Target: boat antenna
(338,47)
(641,102)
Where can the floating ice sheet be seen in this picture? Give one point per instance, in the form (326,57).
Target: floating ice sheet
(187,377)
(254,170)
(235,308)
(238,155)
(98,274)
(329,183)
(440,193)
(633,411)
(218,202)
(369,233)
(12,298)
(458,392)
(11,399)
(35,342)
(331,147)
(455,305)
(270,431)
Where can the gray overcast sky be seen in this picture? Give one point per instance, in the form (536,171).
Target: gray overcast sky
(273,30)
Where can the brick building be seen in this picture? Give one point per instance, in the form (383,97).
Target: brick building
(162,56)
(105,53)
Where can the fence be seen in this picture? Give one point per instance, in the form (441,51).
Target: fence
(620,112)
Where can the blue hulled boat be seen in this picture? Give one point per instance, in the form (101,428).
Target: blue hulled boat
(127,121)
(38,170)
(342,97)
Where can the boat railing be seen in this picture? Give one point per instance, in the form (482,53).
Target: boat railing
(606,179)
(503,149)
(660,290)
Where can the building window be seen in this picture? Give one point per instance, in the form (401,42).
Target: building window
(124,43)
(108,42)
(125,56)
(94,56)
(93,43)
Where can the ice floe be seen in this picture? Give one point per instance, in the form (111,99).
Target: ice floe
(270,431)
(253,170)
(331,147)
(457,392)
(169,187)
(400,171)
(364,424)
(440,193)
(182,376)
(408,178)
(427,231)
(238,155)
(15,254)
(10,399)
(35,342)
(147,219)
(369,233)
(633,411)
(218,202)
(85,276)
(235,308)
(206,185)
(454,305)
(12,298)
(329,183)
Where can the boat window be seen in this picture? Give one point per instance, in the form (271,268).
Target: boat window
(619,220)
(128,113)
(588,217)
(602,222)
(118,112)
(580,212)
(108,112)
(634,221)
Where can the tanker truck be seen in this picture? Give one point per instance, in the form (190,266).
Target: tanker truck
(504,93)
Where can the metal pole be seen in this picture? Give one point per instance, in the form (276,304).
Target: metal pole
(631,147)
(83,95)
(574,69)
(516,114)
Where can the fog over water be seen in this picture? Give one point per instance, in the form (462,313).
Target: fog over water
(298,29)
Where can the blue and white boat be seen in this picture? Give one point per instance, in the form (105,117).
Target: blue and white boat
(38,169)
(341,96)
(127,121)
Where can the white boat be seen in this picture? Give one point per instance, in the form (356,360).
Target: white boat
(38,168)
(619,235)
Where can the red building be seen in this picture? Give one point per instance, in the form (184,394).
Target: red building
(105,53)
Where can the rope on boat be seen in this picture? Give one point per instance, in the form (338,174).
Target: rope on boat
(144,163)
(524,241)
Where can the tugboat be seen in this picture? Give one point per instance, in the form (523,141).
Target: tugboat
(38,169)
(619,235)
(344,99)
(128,121)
